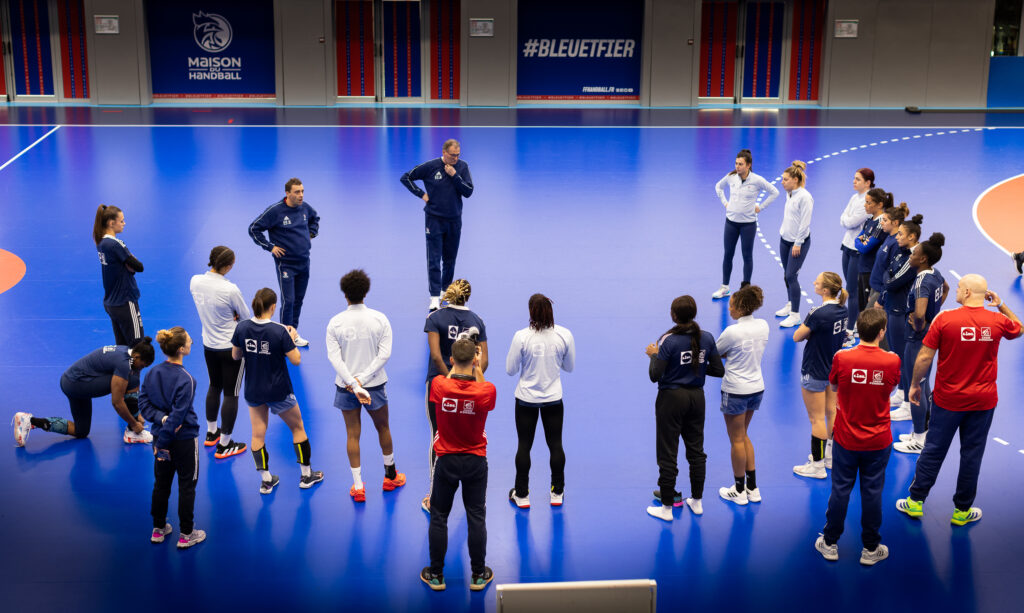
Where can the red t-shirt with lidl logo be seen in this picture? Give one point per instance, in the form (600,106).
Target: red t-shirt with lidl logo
(461,408)
(865,377)
(967,340)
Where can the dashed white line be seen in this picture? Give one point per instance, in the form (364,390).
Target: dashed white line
(999,440)
(955,274)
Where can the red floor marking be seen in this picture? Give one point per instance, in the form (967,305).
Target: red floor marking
(1000,214)
(12,269)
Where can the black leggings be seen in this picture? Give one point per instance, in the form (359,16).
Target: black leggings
(126,319)
(526,426)
(680,412)
(185,462)
(225,376)
(80,395)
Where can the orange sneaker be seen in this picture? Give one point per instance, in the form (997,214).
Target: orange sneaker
(397,482)
(358,495)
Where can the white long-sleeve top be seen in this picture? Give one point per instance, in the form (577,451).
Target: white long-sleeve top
(358,346)
(540,354)
(742,347)
(796,218)
(853,217)
(220,306)
(743,196)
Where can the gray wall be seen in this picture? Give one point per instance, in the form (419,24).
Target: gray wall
(304,38)
(909,53)
(489,64)
(118,63)
(673,61)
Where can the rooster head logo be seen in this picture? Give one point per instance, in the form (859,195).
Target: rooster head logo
(212,32)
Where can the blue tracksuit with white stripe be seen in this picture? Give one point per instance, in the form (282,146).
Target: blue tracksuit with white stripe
(443,213)
(169,390)
(290,228)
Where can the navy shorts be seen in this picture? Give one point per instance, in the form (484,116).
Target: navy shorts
(277,407)
(811,384)
(738,404)
(347,401)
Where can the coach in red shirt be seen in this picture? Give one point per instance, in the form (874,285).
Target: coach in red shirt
(967,341)
(461,402)
(861,439)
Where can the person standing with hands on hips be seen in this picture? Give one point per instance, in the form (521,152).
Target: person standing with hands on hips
(446,181)
(291,224)
(795,240)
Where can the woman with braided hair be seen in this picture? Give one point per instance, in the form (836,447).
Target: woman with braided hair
(680,362)
(443,328)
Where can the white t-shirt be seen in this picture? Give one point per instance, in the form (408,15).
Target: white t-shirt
(358,346)
(742,347)
(218,301)
(853,218)
(540,354)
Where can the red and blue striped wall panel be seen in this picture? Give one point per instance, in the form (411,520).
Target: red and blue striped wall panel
(805,57)
(73,58)
(718,49)
(30,39)
(762,53)
(354,36)
(444,49)
(402,50)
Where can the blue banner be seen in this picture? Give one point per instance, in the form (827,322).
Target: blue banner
(211,48)
(579,49)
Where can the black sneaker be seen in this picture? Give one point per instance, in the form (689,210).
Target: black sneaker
(212,438)
(314,477)
(677,498)
(479,582)
(1018,259)
(268,486)
(434,581)
(226,451)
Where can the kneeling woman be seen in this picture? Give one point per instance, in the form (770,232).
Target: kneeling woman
(166,400)
(824,330)
(680,361)
(268,388)
(112,370)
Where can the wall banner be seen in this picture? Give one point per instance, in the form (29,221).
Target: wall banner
(211,48)
(579,49)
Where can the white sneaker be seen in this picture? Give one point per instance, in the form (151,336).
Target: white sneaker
(660,512)
(896,399)
(521,502)
(784,311)
(556,499)
(299,341)
(829,552)
(730,494)
(791,321)
(901,414)
(22,426)
(159,533)
(695,505)
(827,460)
(754,495)
(142,437)
(192,538)
(722,292)
(812,469)
(870,558)
(850,340)
(913,445)
(435,303)
(905,437)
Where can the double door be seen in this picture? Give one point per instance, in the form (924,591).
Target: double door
(760,51)
(397,50)
(44,50)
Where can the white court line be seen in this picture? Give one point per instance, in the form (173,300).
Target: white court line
(25,150)
(999,440)
(1021,451)
(515,127)
(974,213)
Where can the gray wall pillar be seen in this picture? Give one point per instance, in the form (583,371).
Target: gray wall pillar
(118,63)
(304,31)
(489,64)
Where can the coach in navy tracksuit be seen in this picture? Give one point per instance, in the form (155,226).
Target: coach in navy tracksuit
(447,181)
(291,224)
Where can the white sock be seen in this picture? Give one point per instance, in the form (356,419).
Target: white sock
(264,475)
(357,477)
(828,448)
(920,437)
(306,470)
(225,438)
(211,426)
(435,302)
(389,459)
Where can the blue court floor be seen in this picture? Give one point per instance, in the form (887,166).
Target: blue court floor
(610,212)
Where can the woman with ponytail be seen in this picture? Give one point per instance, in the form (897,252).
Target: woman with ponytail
(868,242)
(926,298)
(220,306)
(741,209)
(679,363)
(264,344)
(166,400)
(824,330)
(896,282)
(118,265)
(108,371)
(852,219)
(795,239)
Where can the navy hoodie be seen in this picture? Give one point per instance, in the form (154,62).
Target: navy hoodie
(168,390)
